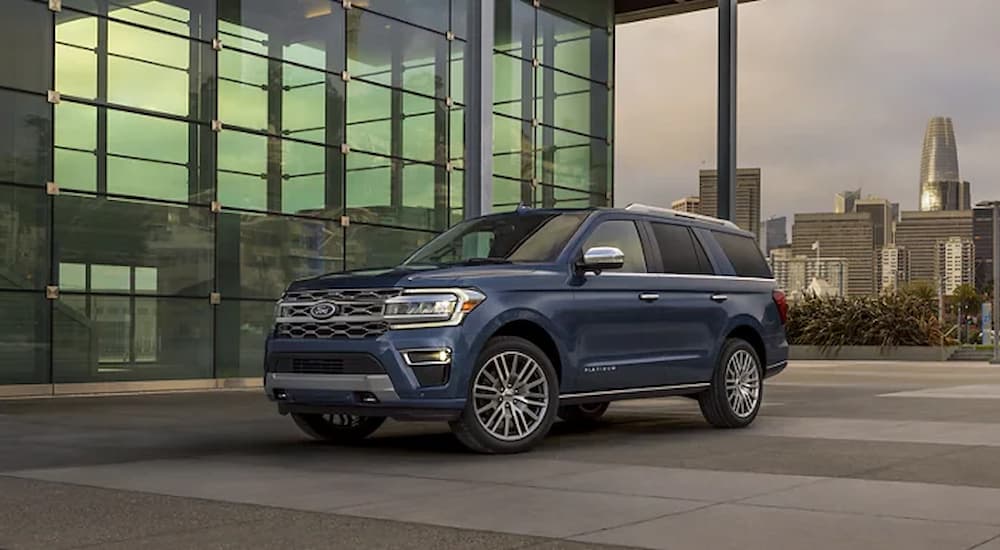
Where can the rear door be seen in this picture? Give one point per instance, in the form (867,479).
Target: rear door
(689,314)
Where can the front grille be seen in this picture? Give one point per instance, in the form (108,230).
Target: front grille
(339,363)
(359,313)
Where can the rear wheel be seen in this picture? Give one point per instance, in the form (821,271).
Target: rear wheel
(585,414)
(337,427)
(513,396)
(734,397)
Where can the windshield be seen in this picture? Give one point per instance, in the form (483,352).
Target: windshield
(515,237)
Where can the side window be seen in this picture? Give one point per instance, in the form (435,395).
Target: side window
(743,254)
(680,251)
(624,236)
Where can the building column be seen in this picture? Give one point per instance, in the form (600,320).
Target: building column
(726,201)
(478,186)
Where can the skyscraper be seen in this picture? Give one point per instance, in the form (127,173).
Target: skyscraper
(843,202)
(687,204)
(941,186)
(774,233)
(982,236)
(918,233)
(881,212)
(953,262)
(747,209)
(847,236)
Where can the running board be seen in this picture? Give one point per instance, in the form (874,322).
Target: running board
(631,393)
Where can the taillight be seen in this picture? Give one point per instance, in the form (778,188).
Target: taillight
(782,303)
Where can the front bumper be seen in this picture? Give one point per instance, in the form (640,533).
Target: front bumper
(387,386)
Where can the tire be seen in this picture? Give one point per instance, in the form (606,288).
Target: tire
(737,408)
(511,419)
(338,428)
(583,415)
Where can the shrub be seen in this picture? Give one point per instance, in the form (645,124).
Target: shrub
(887,320)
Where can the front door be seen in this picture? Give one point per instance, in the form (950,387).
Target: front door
(619,330)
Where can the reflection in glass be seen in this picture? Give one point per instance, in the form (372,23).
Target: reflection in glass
(308,33)
(372,246)
(25,137)
(512,78)
(512,147)
(570,160)
(26,46)
(108,338)
(131,246)
(396,192)
(514,28)
(241,328)
(396,54)
(195,19)
(259,255)
(576,104)
(24,228)
(573,46)
(24,348)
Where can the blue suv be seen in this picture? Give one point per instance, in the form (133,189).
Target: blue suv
(506,321)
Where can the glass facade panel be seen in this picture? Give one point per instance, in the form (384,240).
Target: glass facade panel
(26,46)
(101,338)
(25,138)
(259,255)
(24,230)
(375,246)
(134,247)
(132,241)
(24,348)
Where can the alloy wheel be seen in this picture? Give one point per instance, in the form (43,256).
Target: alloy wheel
(742,383)
(511,396)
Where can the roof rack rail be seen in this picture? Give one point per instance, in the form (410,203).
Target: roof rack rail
(636,207)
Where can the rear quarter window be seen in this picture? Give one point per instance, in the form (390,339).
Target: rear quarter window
(743,253)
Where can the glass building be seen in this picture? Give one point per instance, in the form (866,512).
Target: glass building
(168,166)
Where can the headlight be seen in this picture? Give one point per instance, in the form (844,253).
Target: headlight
(431,308)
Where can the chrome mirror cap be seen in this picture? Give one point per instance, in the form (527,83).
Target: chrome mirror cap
(600,258)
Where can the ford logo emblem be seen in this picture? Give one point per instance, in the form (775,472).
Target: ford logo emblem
(323,310)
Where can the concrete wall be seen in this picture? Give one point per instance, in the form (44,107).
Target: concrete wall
(872,353)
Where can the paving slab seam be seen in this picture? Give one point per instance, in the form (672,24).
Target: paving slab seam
(866,514)
(984,543)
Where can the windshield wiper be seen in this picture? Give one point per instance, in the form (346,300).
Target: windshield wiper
(485,261)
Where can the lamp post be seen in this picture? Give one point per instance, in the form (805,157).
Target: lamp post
(996,278)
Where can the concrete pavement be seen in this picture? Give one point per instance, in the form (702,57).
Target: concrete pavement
(844,455)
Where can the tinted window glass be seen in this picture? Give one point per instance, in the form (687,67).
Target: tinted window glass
(743,254)
(679,251)
(624,236)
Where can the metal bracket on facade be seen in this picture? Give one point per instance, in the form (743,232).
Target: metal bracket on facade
(216,207)
(216,125)
(536,3)
(55,5)
(534,182)
(449,101)
(215,298)
(52,292)
(346,4)
(611,30)
(534,123)
(345,76)
(53,97)
(51,188)
(449,167)
(345,221)
(535,62)
(217,44)
(345,148)
(449,36)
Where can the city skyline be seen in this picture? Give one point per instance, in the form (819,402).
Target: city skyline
(833,113)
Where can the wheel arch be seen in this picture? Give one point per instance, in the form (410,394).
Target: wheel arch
(751,335)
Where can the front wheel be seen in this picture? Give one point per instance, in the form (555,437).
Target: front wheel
(737,389)
(338,428)
(513,398)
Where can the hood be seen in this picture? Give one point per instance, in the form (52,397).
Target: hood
(416,276)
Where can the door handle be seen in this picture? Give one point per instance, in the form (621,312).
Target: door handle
(719,298)
(649,297)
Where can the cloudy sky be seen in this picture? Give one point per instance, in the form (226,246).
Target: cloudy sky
(833,94)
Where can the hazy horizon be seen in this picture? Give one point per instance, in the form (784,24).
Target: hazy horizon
(832,96)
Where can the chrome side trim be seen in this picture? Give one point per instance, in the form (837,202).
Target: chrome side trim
(688,276)
(647,389)
(378,384)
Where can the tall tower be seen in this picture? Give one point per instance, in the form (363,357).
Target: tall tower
(941,187)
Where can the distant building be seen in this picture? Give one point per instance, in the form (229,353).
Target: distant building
(687,204)
(892,267)
(747,207)
(941,186)
(880,211)
(954,263)
(982,237)
(843,202)
(919,231)
(847,236)
(798,274)
(774,233)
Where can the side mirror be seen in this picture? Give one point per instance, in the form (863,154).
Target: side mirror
(599,258)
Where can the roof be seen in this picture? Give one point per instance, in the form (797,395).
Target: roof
(627,11)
